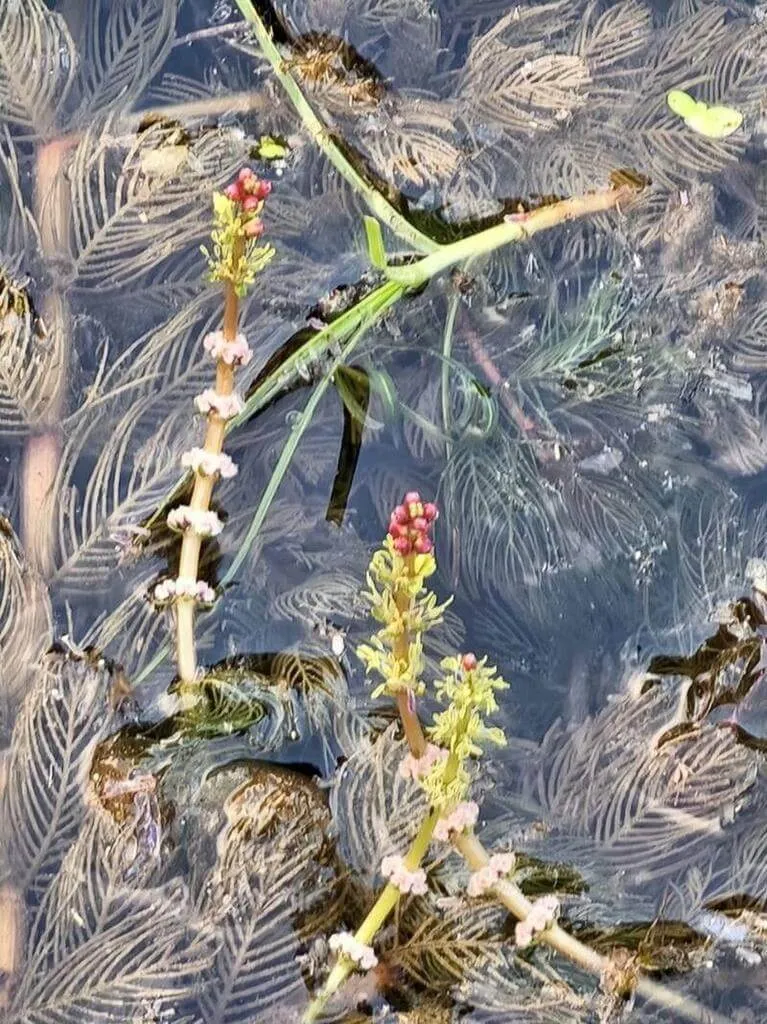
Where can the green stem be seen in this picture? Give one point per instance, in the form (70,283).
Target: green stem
(483,242)
(511,896)
(374,921)
(364,313)
(401,279)
(377,203)
(447,351)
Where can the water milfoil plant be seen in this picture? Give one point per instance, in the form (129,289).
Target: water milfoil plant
(439,760)
(234,261)
(444,758)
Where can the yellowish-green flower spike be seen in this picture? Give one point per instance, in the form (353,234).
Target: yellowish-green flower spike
(236,256)
(468,688)
(400,600)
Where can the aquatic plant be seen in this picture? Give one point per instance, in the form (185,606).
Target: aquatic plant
(235,261)
(443,758)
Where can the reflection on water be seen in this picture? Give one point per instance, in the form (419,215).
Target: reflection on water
(587,408)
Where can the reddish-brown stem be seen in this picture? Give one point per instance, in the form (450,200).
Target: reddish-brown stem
(202,493)
(411,724)
(11,940)
(41,460)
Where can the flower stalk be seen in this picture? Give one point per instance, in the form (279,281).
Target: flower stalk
(234,261)
(374,921)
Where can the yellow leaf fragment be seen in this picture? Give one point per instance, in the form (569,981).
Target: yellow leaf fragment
(712,122)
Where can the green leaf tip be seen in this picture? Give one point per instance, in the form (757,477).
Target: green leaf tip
(375,241)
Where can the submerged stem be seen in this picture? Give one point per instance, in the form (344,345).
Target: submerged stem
(319,133)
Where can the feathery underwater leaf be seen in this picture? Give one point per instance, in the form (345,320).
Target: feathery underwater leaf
(508,522)
(19,224)
(668,149)
(125,228)
(645,809)
(440,946)
(256,968)
(610,38)
(679,45)
(374,810)
(500,992)
(129,477)
(64,715)
(663,146)
(133,632)
(522,86)
(416,145)
(103,947)
(30,364)
(332,595)
(37,64)
(122,51)
(302,693)
(168,364)
(272,890)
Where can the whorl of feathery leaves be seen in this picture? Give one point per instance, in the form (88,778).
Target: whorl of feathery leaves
(468,688)
(406,608)
(236,256)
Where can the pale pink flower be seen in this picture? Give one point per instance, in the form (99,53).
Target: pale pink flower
(203,523)
(417,767)
(499,865)
(226,407)
(523,934)
(209,463)
(345,944)
(541,916)
(233,353)
(197,590)
(393,868)
(462,817)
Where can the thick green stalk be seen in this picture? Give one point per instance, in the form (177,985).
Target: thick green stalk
(415,275)
(374,921)
(363,314)
(377,203)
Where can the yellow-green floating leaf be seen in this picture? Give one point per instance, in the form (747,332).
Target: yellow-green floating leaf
(271,149)
(713,122)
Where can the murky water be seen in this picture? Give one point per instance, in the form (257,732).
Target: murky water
(587,409)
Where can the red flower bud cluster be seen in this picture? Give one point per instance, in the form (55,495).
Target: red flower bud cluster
(410,524)
(249,191)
